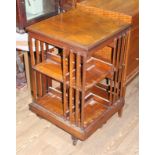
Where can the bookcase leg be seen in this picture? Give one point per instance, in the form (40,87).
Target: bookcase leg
(74,140)
(120,112)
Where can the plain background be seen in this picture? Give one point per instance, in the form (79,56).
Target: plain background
(8,77)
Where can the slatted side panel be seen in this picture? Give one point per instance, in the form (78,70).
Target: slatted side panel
(38,52)
(119,58)
(73,96)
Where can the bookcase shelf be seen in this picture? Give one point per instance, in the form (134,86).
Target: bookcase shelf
(96,71)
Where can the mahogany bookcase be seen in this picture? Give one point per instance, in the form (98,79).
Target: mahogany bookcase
(76,87)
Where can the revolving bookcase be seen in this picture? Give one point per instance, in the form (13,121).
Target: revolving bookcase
(74,85)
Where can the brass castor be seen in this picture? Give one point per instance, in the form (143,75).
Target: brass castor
(74,140)
(120,112)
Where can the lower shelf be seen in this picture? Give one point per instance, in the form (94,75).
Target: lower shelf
(96,112)
(52,103)
(94,108)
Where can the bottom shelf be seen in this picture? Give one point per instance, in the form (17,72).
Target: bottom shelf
(52,103)
(94,106)
(96,113)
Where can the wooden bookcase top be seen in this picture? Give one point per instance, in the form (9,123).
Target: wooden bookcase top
(81,27)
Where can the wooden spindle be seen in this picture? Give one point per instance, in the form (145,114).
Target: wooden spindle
(113,62)
(44,78)
(42,51)
(77,88)
(47,47)
(34,87)
(121,66)
(111,91)
(49,80)
(38,75)
(117,69)
(125,62)
(118,65)
(64,84)
(31,50)
(112,95)
(70,86)
(83,90)
(37,51)
(114,52)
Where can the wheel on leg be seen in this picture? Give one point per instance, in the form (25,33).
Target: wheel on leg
(74,140)
(120,112)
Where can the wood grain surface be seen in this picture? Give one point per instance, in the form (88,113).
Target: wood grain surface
(75,29)
(119,136)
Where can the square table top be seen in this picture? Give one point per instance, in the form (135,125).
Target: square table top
(79,28)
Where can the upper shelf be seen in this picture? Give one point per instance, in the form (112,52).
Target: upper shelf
(80,28)
(95,72)
(50,68)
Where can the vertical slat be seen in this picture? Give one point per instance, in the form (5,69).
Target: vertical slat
(117,70)
(113,62)
(123,48)
(125,62)
(49,80)
(44,79)
(114,53)
(114,91)
(77,87)
(70,85)
(47,47)
(34,87)
(126,54)
(42,51)
(83,90)
(120,65)
(37,51)
(38,75)
(64,84)
(111,91)
(31,51)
